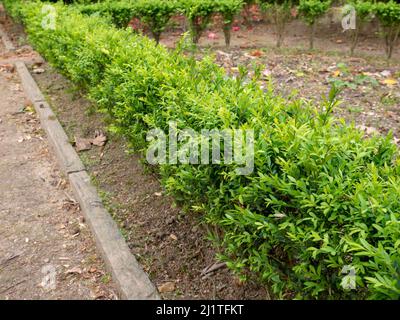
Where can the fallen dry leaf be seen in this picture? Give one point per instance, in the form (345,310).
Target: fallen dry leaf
(368,130)
(166,287)
(7,67)
(82,144)
(256,53)
(389,81)
(93,270)
(100,140)
(38,70)
(75,270)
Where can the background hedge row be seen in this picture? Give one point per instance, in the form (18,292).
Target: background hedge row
(322,198)
(157,13)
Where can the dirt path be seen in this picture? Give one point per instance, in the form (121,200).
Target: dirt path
(46,250)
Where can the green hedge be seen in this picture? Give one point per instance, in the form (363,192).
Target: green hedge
(120,12)
(321,197)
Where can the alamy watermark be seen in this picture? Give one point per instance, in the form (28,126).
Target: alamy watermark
(349,280)
(348,17)
(49,17)
(186,146)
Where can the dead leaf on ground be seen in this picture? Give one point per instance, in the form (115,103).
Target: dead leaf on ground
(368,130)
(7,68)
(100,139)
(82,144)
(75,270)
(38,70)
(256,53)
(389,82)
(166,287)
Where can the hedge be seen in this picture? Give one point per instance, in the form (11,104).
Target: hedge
(322,199)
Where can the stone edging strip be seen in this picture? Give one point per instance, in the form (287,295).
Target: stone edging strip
(6,40)
(132,282)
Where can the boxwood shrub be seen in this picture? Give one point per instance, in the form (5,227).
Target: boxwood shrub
(323,200)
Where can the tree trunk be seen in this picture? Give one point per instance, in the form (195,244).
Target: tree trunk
(280,27)
(227,33)
(156,36)
(246,15)
(394,36)
(312,35)
(354,40)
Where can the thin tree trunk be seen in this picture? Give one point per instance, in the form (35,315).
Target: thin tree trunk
(312,35)
(156,36)
(280,28)
(395,35)
(246,16)
(227,33)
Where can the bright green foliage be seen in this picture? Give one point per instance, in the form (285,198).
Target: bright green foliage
(321,197)
(311,11)
(121,12)
(388,14)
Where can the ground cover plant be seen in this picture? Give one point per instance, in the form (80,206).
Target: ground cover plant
(322,199)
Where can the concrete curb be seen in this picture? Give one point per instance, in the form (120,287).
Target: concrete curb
(132,282)
(6,40)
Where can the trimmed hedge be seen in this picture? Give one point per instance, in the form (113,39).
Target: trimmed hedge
(120,12)
(322,197)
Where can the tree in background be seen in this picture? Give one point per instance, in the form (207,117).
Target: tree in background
(311,11)
(281,12)
(388,14)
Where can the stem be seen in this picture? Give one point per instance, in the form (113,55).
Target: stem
(393,41)
(312,35)
(246,15)
(354,41)
(156,36)
(227,33)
